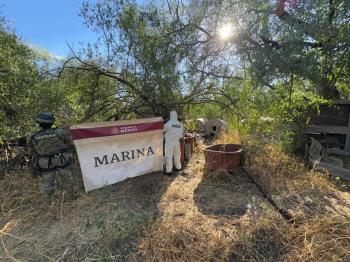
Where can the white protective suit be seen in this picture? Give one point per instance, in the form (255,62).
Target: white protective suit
(173,132)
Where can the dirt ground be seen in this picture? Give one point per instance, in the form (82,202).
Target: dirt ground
(194,216)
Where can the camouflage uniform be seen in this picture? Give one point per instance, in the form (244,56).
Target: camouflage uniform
(52,155)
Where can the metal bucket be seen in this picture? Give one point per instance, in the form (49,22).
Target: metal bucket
(191,140)
(188,152)
(227,156)
(182,149)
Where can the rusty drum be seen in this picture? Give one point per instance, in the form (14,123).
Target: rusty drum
(227,156)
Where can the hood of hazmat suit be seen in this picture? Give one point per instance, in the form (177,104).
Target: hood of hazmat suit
(173,116)
(173,129)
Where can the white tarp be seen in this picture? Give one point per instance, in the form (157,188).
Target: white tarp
(110,152)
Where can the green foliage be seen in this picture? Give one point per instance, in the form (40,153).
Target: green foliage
(88,97)
(135,44)
(159,56)
(289,111)
(27,88)
(23,90)
(190,126)
(279,114)
(310,41)
(17,73)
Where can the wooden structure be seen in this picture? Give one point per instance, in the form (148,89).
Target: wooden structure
(332,126)
(211,127)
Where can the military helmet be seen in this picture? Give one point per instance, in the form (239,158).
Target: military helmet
(45,118)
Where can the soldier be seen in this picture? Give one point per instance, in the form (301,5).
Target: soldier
(52,154)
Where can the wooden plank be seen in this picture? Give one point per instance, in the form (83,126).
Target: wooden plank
(337,151)
(343,130)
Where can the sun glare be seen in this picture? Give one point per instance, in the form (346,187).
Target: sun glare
(225,31)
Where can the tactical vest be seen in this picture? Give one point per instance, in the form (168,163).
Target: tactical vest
(51,150)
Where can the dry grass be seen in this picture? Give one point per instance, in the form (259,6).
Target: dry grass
(321,210)
(303,192)
(197,216)
(211,222)
(230,138)
(103,223)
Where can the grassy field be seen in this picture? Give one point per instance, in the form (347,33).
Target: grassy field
(195,216)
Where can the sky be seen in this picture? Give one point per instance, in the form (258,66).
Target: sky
(48,24)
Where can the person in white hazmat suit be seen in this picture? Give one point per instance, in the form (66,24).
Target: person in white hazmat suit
(173,132)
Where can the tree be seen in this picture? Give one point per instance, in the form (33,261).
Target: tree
(136,51)
(25,88)
(170,55)
(18,74)
(91,96)
(310,41)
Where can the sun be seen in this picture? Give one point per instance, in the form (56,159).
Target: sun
(225,31)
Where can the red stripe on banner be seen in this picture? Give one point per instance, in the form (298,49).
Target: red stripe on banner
(83,133)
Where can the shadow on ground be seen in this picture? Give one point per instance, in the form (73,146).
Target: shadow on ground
(263,244)
(304,196)
(224,194)
(107,222)
(234,199)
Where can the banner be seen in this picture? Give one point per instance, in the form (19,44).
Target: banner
(110,152)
